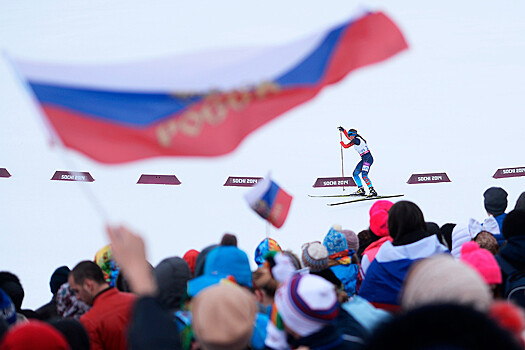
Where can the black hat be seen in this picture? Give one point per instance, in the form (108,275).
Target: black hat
(58,278)
(495,200)
(514,224)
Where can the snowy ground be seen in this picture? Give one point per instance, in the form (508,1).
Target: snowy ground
(451,103)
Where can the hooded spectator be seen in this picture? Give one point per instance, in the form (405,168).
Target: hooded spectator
(495,202)
(172,275)
(429,282)
(191,258)
(12,286)
(411,242)
(58,278)
(223,317)
(34,335)
(340,260)
(67,303)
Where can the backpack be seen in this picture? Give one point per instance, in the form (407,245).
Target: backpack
(514,283)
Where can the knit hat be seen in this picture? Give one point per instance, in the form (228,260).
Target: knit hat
(442,279)
(481,260)
(67,303)
(266,245)
(191,257)
(514,224)
(495,200)
(379,217)
(222,262)
(486,240)
(7,308)
(110,269)
(34,335)
(11,285)
(306,303)
(74,332)
(58,278)
(223,317)
(351,239)
(315,256)
(335,243)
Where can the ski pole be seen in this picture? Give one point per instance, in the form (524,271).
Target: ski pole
(342,163)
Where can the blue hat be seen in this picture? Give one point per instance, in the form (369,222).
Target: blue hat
(335,242)
(222,262)
(7,308)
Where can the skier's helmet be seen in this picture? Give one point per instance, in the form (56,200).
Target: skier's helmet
(351,132)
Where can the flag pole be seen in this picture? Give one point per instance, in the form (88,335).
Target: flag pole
(55,141)
(342,164)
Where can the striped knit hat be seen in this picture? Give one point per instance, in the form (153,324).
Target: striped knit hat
(306,303)
(315,256)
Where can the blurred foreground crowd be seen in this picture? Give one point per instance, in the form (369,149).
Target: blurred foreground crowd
(401,283)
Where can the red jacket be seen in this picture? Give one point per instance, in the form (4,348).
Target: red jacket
(107,321)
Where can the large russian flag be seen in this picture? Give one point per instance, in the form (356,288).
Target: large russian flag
(202,104)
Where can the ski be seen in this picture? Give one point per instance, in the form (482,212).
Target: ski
(335,195)
(365,199)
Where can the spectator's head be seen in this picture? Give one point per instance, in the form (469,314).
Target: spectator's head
(265,285)
(67,303)
(34,335)
(229,239)
(443,279)
(306,304)
(58,278)
(335,243)
(351,239)
(191,258)
(486,240)
(7,309)
(315,256)
(201,260)
(482,261)
(172,275)
(223,262)
(520,203)
(266,245)
(223,317)
(87,280)
(379,217)
(404,218)
(495,201)
(104,259)
(11,285)
(74,332)
(514,224)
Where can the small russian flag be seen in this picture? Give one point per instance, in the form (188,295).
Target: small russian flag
(270,201)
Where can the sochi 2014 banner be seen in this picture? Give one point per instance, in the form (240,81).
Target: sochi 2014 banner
(199,105)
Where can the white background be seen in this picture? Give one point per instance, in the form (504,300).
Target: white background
(451,103)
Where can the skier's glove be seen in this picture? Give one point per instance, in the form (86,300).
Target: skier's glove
(341,129)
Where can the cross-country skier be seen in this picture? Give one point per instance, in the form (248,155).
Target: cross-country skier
(363,166)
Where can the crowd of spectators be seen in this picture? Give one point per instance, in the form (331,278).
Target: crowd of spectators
(403,282)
